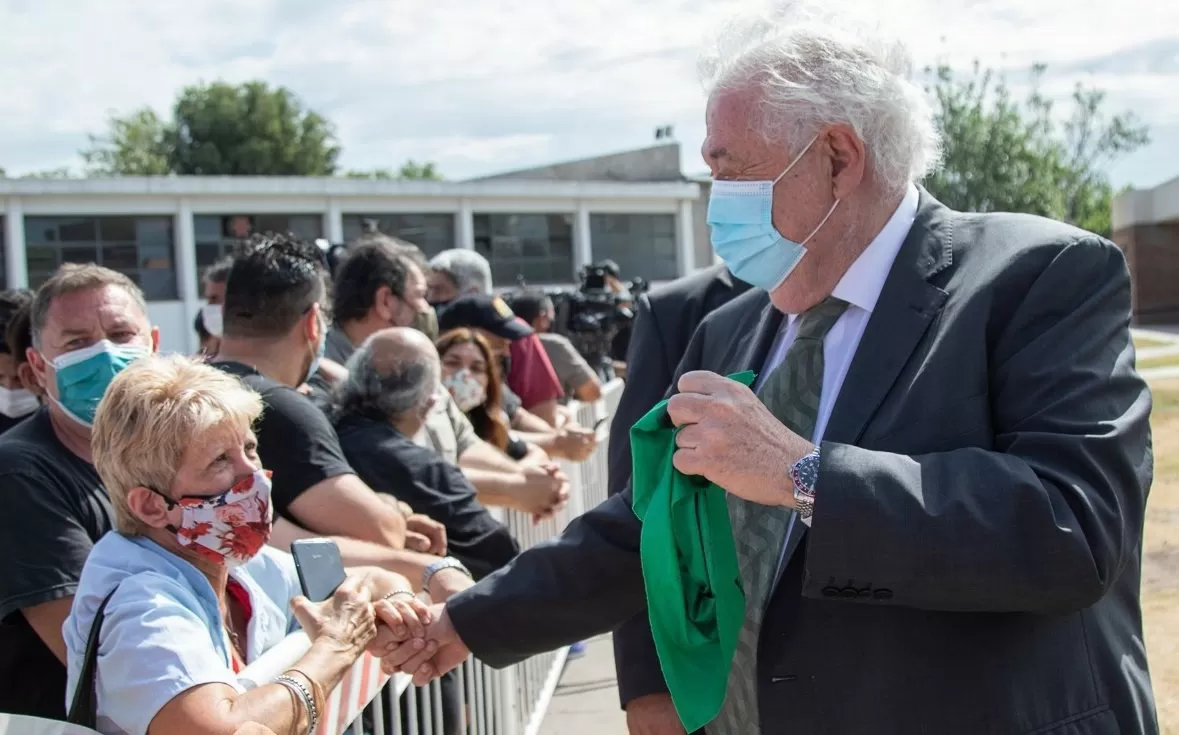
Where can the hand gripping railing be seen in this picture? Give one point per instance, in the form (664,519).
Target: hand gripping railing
(510,701)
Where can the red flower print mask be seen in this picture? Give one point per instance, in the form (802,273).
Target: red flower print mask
(230,528)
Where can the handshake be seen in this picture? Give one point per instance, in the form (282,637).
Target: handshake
(417,639)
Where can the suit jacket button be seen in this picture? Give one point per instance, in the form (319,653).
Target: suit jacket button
(882,594)
(848,592)
(865,593)
(830,592)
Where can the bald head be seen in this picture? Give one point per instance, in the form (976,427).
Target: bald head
(391,376)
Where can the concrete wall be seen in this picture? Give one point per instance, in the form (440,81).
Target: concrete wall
(1152,253)
(657,163)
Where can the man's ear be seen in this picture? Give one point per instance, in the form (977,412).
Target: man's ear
(155,339)
(39,368)
(312,324)
(384,303)
(29,379)
(149,507)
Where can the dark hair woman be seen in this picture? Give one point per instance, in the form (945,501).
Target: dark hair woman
(471,374)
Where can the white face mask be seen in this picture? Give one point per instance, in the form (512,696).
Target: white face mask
(211,317)
(17,403)
(465,388)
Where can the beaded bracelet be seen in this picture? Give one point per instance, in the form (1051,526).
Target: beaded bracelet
(301,692)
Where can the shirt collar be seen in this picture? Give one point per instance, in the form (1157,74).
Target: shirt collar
(864,280)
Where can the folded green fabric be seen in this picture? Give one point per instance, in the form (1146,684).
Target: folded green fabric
(694,596)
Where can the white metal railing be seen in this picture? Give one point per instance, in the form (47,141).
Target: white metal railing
(511,701)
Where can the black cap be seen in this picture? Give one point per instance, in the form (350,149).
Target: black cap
(479,311)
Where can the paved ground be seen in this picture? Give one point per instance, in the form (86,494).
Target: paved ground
(586,701)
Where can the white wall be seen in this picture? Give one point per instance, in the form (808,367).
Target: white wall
(176,332)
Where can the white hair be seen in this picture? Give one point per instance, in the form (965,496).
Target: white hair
(469,270)
(814,67)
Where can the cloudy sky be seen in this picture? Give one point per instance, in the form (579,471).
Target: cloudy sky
(481,86)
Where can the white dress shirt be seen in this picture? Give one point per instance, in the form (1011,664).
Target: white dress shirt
(860,287)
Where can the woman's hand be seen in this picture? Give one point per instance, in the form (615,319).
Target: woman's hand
(404,616)
(345,619)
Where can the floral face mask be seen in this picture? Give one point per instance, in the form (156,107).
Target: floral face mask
(229,528)
(465,388)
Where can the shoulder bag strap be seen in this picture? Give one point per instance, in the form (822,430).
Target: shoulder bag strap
(84,708)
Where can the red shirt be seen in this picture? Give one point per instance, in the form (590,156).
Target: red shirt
(239,595)
(531,375)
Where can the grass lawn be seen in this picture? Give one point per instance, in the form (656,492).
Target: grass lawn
(1160,574)
(1159,362)
(1145,343)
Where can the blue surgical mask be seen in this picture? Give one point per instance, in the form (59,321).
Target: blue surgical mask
(83,376)
(740,214)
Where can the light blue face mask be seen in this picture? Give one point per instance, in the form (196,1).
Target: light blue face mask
(83,376)
(740,214)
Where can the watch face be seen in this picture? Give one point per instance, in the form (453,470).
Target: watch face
(806,474)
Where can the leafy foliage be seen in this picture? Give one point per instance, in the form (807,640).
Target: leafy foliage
(219,129)
(1003,154)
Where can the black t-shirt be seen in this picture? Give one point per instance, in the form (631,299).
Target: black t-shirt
(511,401)
(7,422)
(55,509)
(393,464)
(296,441)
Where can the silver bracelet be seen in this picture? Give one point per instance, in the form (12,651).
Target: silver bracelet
(301,692)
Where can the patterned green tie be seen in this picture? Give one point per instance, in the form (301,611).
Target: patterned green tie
(792,393)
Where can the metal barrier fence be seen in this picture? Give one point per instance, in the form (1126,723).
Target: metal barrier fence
(511,701)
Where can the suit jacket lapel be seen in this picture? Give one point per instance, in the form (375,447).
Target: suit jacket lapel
(755,344)
(906,307)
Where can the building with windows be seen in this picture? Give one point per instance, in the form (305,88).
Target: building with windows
(162,232)
(1146,227)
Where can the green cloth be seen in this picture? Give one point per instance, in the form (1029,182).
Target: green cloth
(694,596)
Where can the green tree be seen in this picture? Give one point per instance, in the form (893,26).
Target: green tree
(136,145)
(1003,154)
(250,130)
(409,170)
(422,171)
(220,129)
(62,172)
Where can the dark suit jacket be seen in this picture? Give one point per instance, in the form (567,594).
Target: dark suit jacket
(664,322)
(974,560)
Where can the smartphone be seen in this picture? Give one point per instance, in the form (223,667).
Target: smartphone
(321,571)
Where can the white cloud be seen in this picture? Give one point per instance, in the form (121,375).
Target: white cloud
(494,85)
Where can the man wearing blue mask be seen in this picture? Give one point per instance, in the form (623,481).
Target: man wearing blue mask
(935,482)
(88,323)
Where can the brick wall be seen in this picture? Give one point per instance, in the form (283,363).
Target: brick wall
(1152,252)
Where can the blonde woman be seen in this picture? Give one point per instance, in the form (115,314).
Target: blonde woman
(188,590)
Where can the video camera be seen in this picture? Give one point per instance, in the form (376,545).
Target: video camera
(596,316)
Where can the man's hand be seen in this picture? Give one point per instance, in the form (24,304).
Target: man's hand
(730,438)
(426,528)
(653,714)
(544,492)
(576,442)
(447,582)
(439,653)
(422,533)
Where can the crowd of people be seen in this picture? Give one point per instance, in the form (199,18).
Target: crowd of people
(386,406)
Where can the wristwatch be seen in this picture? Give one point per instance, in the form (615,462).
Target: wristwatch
(446,562)
(805,474)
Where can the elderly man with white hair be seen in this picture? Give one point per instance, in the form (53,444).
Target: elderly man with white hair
(935,487)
